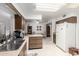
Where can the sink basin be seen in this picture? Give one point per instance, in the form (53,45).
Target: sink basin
(12,45)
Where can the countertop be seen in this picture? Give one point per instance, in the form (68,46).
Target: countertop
(35,35)
(14,52)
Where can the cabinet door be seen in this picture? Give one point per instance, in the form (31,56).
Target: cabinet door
(23,51)
(18,22)
(71,35)
(35,42)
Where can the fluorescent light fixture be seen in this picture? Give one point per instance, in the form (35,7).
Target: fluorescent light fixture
(49,6)
(73,5)
(33,16)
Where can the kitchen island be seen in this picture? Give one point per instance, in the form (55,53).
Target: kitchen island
(21,51)
(35,41)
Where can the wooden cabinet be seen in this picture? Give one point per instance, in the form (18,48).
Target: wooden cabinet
(72,19)
(35,42)
(18,22)
(23,51)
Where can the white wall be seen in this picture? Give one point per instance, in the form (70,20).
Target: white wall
(67,16)
(53,27)
(34,27)
(7,18)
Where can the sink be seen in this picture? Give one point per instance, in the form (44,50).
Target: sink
(12,45)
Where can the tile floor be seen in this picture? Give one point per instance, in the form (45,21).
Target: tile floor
(49,49)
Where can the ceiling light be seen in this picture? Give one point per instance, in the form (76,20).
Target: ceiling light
(49,6)
(73,5)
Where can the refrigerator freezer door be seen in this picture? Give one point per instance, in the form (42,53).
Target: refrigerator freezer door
(70,35)
(60,36)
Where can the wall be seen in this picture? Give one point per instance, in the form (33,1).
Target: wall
(67,16)
(52,27)
(7,18)
(24,25)
(34,27)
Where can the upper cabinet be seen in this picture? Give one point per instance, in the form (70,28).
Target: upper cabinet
(18,22)
(72,19)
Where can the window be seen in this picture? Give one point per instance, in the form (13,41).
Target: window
(38,28)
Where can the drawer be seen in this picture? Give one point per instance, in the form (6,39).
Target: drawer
(35,46)
(35,40)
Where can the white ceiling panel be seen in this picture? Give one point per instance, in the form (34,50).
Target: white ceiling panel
(46,10)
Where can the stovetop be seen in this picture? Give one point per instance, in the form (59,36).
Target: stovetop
(11,45)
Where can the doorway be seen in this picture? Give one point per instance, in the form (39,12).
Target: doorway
(54,34)
(54,37)
(47,30)
(29,29)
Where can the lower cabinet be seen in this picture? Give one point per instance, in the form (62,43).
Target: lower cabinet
(23,51)
(35,42)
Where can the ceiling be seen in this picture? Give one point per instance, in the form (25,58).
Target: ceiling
(31,12)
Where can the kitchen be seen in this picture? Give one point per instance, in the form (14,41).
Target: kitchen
(30,31)
(13,39)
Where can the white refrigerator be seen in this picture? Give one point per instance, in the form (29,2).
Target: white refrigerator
(65,35)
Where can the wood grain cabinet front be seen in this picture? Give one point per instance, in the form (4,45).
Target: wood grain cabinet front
(35,42)
(18,22)
(23,51)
